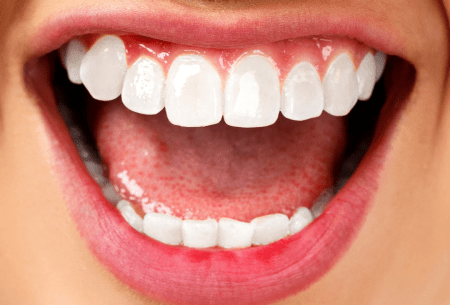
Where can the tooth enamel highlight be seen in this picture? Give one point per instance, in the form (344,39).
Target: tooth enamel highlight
(200,233)
(143,87)
(302,96)
(234,234)
(103,68)
(380,63)
(164,228)
(340,86)
(73,56)
(252,93)
(130,215)
(301,219)
(193,94)
(269,228)
(366,77)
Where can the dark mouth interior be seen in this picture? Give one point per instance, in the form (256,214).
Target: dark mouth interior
(361,121)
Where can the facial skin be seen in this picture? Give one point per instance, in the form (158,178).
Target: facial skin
(400,255)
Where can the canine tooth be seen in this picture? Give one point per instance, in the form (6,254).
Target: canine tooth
(340,86)
(193,95)
(103,68)
(302,96)
(252,93)
(143,87)
(380,62)
(300,219)
(164,228)
(130,215)
(366,77)
(269,228)
(199,233)
(234,234)
(74,53)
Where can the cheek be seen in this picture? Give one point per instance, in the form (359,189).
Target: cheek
(43,257)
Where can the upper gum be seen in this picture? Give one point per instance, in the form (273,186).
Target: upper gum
(284,54)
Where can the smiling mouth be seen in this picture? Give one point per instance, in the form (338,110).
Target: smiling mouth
(217,186)
(211,173)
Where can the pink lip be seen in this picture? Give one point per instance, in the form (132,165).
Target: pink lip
(189,276)
(190,26)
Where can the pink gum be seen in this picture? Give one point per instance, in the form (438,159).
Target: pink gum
(284,55)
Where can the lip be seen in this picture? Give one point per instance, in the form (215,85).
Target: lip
(249,276)
(190,26)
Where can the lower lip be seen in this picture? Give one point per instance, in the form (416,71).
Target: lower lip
(255,275)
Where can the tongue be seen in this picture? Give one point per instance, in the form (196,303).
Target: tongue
(217,171)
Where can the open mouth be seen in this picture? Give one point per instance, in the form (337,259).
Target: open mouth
(198,173)
(211,184)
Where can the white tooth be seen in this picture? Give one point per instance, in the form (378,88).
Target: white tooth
(380,62)
(302,96)
(301,219)
(199,233)
(193,94)
(252,93)
(143,87)
(63,54)
(234,234)
(366,77)
(130,215)
(73,55)
(340,86)
(269,228)
(164,228)
(103,68)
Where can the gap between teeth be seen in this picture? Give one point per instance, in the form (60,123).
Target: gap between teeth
(193,93)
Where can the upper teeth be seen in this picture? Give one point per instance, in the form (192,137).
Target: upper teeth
(143,87)
(340,86)
(103,68)
(194,95)
(193,92)
(366,77)
(380,62)
(72,60)
(252,93)
(302,96)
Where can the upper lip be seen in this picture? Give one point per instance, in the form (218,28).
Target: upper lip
(215,29)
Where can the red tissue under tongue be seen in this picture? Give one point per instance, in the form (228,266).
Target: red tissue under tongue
(217,171)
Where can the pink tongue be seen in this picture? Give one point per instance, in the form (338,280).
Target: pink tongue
(217,171)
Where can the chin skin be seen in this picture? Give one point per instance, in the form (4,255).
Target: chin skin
(399,256)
